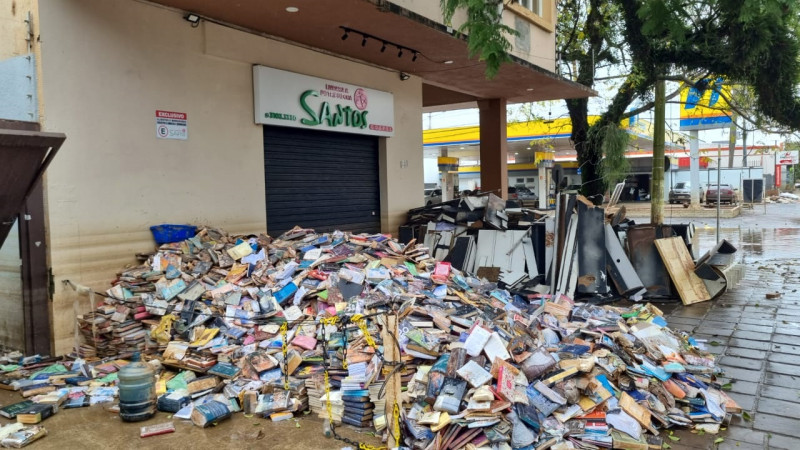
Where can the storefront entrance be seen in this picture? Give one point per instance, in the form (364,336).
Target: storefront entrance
(322,180)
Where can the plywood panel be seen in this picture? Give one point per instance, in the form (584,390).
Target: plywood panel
(680,266)
(12,333)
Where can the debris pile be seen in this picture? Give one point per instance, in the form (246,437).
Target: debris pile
(586,252)
(783,197)
(369,332)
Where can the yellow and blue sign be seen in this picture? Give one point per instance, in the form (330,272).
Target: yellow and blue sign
(706,109)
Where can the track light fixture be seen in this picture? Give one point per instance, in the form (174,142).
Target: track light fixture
(384,43)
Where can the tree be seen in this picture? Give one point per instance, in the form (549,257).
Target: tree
(635,43)
(486,34)
(750,42)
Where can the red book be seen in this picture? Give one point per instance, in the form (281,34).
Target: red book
(155,430)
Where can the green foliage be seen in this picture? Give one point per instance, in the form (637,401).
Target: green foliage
(486,34)
(753,44)
(613,142)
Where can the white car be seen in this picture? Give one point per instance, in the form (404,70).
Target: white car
(433,196)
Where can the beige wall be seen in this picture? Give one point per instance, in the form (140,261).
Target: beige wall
(107,66)
(537,31)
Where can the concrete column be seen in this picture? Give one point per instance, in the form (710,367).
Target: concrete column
(494,147)
(447,180)
(544,187)
(694,165)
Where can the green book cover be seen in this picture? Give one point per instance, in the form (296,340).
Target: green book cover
(11,411)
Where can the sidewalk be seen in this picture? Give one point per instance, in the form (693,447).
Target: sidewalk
(756,339)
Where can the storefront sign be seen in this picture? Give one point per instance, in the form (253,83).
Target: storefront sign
(171,125)
(778,176)
(788,157)
(292,100)
(707,109)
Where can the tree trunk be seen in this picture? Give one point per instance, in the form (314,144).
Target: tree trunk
(589,151)
(657,177)
(732,140)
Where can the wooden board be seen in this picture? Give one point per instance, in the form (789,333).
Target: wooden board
(393,392)
(680,266)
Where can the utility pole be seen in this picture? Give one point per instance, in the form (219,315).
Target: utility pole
(694,166)
(657,185)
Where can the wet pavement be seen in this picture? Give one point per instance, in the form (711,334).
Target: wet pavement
(755,338)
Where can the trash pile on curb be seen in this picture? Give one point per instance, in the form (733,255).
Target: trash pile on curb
(783,197)
(365,331)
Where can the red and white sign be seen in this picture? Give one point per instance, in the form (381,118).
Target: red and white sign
(171,125)
(788,157)
(778,182)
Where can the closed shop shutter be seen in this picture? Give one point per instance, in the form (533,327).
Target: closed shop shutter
(321,180)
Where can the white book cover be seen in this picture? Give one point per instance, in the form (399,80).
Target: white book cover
(476,341)
(496,348)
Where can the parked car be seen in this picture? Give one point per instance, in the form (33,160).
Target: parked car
(726,194)
(433,196)
(524,193)
(682,193)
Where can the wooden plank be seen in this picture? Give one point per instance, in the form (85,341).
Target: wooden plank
(393,393)
(680,266)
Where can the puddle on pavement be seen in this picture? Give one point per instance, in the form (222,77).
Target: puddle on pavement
(754,244)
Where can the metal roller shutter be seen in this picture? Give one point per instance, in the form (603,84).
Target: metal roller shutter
(321,180)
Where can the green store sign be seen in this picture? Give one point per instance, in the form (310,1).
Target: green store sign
(332,116)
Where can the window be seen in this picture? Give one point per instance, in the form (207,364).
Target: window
(535,6)
(520,180)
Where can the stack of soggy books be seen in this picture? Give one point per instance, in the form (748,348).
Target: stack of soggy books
(358,410)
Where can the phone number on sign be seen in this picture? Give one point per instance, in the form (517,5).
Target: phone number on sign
(385,128)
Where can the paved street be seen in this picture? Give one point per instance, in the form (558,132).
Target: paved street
(756,338)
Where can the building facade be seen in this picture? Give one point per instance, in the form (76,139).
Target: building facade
(250,116)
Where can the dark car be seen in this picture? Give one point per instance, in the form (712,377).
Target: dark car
(726,194)
(682,193)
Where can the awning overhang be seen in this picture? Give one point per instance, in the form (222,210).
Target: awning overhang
(25,156)
(320,25)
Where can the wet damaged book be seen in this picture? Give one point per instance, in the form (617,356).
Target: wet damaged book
(11,411)
(23,437)
(36,413)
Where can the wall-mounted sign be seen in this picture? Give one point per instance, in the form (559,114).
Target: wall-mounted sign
(788,157)
(293,100)
(171,125)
